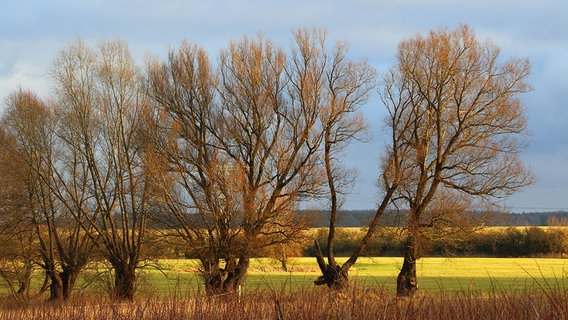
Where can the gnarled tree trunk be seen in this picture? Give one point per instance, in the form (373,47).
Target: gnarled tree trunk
(61,283)
(406,282)
(68,279)
(55,287)
(333,275)
(335,278)
(25,280)
(124,281)
(225,280)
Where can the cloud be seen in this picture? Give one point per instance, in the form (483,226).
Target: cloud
(32,32)
(23,65)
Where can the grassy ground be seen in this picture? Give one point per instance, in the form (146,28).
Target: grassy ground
(456,288)
(354,303)
(434,274)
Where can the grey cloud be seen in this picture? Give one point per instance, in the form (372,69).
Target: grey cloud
(31,33)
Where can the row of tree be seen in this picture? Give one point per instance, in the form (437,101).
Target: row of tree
(495,242)
(391,218)
(221,154)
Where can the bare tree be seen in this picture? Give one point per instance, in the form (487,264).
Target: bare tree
(454,108)
(18,252)
(193,173)
(340,87)
(102,102)
(62,243)
(268,132)
(242,147)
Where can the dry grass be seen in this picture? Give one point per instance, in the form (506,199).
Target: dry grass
(539,290)
(318,303)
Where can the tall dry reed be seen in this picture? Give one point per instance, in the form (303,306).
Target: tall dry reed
(309,303)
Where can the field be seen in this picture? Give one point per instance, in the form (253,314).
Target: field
(450,288)
(434,274)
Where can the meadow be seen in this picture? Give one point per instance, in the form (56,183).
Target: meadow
(434,274)
(450,288)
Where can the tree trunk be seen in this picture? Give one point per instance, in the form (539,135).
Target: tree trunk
(334,276)
(284,265)
(124,281)
(23,285)
(221,281)
(56,286)
(25,280)
(284,258)
(212,278)
(68,278)
(62,283)
(236,275)
(406,282)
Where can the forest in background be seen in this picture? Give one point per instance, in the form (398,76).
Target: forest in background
(361,218)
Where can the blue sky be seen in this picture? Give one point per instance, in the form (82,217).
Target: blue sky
(32,32)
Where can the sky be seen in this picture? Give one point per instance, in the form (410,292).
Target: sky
(32,32)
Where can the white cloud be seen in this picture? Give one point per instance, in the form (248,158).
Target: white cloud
(31,33)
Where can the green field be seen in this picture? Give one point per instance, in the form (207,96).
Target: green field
(450,288)
(434,274)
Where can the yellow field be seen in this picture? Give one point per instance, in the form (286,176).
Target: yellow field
(434,274)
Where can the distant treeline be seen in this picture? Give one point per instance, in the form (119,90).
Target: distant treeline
(361,218)
(492,242)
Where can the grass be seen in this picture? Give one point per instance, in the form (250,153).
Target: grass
(434,274)
(456,288)
(355,303)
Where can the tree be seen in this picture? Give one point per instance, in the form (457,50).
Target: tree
(103,106)
(453,106)
(241,147)
(341,87)
(193,173)
(18,252)
(37,164)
